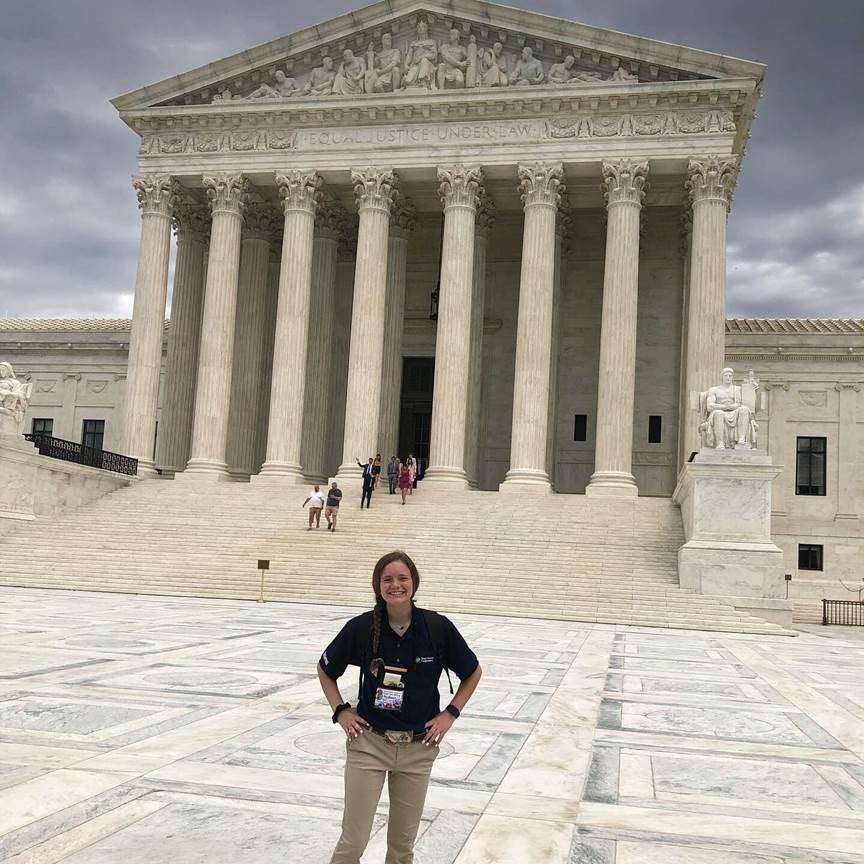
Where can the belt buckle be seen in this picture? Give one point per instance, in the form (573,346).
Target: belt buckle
(395,737)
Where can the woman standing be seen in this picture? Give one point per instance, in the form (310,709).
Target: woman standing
(404,480)
(397,726)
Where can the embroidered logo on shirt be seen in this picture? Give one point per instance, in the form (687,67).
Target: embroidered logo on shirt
(424,659)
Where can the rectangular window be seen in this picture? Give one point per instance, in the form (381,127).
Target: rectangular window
(580,427)
(92,434)
(655,429)
(809,556)
(43,426)
(810,467)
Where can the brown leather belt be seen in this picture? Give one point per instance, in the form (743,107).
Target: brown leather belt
(396,737)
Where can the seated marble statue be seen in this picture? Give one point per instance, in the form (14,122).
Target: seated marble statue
(454,63)
(727,421)
(528,70)
(421,61)
(285,88)
(621,75)
(561,73)
(493,67)
(320,82)
(350,78)
(384,69)
(14,399)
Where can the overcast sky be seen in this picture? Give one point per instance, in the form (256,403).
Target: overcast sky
(69,224)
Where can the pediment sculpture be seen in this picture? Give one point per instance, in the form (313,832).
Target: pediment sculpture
(14,398)
(422,64)
(727,413)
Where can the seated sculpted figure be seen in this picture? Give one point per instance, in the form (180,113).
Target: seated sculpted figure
(454,62)
(561,73)
(421,61)
(728,423)
(621,75)
(383,70)
(529,70)
(351,77)
(493,67)
(14,399)
(285,88)
(320,82)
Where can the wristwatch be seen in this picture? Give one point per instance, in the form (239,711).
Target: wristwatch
(339,710)
(453,711)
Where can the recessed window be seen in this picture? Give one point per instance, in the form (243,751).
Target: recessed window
(655,429)
(809,556)
(580,427)
(93,433)
(43,426)
(810,467)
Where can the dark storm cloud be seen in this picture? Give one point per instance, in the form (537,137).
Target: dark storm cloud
(68,222)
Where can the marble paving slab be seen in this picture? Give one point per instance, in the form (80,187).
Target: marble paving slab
(203,737)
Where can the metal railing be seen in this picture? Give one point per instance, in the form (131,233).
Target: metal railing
(70,451)
(849,613)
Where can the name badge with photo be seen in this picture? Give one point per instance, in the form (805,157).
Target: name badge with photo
(388,696)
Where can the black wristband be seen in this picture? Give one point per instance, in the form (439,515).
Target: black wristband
(453,711)
(339,710)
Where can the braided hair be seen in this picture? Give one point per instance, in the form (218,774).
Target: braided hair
(380,604)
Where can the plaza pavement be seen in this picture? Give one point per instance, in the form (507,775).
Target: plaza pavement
(151,729)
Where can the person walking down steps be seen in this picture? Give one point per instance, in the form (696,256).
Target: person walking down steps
(316,505)
(331,511)
(393,474)
(369,476)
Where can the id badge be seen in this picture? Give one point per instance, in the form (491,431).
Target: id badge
(389,694)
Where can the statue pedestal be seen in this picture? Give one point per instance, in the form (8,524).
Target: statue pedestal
(725,500)
(18,471)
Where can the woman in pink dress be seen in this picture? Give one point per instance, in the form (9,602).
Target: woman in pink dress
(404,479)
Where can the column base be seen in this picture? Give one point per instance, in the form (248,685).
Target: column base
(348,471)
(147,469)
(520,480)
(204,469)
(612,484)
(289,471)
(452,478)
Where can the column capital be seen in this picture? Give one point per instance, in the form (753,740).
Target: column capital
(226,192)
(261,221)
(541,183)
(486,213)
(374,188)
(712,178)
(331,218)
(624,181)
(299,189)
(460,185)
(403,216)
(157,193)
(191,219)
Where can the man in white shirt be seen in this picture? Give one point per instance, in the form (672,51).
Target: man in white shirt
(316,505)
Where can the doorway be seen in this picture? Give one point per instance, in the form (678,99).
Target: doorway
(415,412)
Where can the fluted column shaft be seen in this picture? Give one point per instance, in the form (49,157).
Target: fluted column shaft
(459,190)
(710,184)
(320,355)
(482,227)
(227,196)
(269,338)
(373,190)
(300,192)
(192,227)
(260,221)
(156,198)
(613,461)
(541,187)
(401,223)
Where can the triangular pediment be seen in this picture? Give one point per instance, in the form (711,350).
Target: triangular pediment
(484,46)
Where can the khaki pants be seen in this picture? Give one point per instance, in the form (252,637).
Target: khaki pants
(407,767)
(314,516)
(330,514)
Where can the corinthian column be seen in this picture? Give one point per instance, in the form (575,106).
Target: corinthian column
(710,183)
(624,181)
(373,189)
(402,222)
(227,195)
(156,197)
(459,190)
(541,189)
(260,222)
(329,223)
(192,229)
(300,191)
(482,226)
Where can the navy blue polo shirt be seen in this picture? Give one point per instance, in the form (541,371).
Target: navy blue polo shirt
(413,651)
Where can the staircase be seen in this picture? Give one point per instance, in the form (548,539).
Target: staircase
(560,556)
